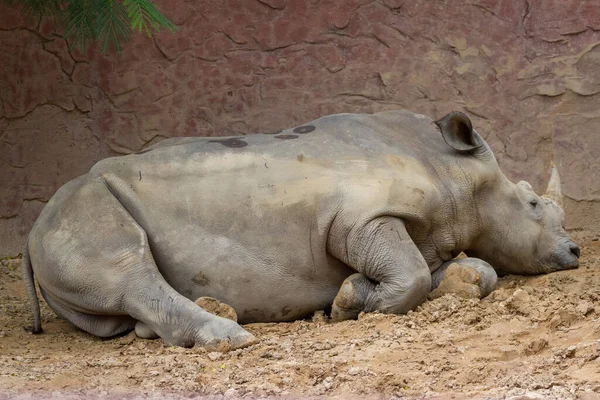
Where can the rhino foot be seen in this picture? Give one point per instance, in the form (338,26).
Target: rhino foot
(469,278)
(226,336)
(218,333)
(351,298)
(224,332)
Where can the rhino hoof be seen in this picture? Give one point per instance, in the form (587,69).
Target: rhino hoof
(238,341)
(214,306)
(339,314)
(460,280)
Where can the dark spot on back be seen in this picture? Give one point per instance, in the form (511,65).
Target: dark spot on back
(201,279)
(231,142)
(304,129)
(286,137)
(300,157)
(273,133)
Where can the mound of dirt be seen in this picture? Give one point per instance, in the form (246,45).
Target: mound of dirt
(532,338)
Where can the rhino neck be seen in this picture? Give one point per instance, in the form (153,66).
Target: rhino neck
(465,192)
(495,213)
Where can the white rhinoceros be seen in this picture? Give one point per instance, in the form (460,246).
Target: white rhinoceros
(353,212)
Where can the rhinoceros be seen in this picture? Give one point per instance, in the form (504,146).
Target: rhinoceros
(349,213)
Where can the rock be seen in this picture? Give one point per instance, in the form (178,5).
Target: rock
(508,352)
(527,396)
(566,352)
(215,307)
(320,317)
(536,346)
(498,295)
(585,308)
(519,301)
(521,296)
(215,355)
(564,317)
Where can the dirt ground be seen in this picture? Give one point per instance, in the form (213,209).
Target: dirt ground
(532,338)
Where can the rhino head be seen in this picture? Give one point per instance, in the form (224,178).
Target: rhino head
(526,233)
(519,231)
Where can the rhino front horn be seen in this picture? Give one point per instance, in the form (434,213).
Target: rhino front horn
(554,191)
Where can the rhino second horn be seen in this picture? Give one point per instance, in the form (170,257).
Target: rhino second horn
(554,191)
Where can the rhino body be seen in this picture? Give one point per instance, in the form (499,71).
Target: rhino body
(354,212)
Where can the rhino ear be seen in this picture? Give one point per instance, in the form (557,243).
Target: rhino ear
(458,132)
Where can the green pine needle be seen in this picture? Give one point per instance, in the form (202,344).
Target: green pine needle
(110,22)
(36,9)
(112,25)
(144,15)
(79,23)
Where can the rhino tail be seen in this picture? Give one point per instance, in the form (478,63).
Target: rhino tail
(29,282)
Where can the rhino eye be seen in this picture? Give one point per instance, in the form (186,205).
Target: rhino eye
(533,203)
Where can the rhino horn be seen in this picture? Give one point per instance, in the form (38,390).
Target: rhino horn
(554,191)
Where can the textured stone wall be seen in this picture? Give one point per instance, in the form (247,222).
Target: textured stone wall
(527,72)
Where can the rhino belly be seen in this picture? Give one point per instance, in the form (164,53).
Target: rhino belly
(272,269)
(261,286)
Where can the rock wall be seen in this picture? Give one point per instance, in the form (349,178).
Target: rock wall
(527,72)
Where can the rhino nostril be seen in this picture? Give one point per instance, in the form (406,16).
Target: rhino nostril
(575,250)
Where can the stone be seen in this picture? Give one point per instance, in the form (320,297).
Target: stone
(320,317)
(536,346)
(585,308)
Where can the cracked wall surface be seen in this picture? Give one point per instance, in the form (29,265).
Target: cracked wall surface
(527,72)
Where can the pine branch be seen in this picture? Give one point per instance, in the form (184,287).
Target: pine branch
(112,25)
(108,21)
(144,15)
(79,23)
(36,9)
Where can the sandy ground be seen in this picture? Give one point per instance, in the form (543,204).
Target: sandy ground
(536,337)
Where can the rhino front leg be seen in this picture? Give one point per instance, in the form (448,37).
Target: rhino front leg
(392,275)
(467,277)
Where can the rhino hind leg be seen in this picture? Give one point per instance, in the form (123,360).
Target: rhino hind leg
(100,325)
(104,279)
(162,311)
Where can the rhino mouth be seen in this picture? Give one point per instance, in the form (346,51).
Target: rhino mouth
(563,262)
(568,258)
(560,262)
(570,265)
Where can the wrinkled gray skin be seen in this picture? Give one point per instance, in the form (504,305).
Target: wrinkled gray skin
(357,212)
